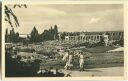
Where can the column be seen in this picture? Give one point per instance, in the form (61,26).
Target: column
(96,37)
(93,38)
(69,38)
(99,38)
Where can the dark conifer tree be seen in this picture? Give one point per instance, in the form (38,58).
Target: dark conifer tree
(6,36)
(56,32)
(34,36)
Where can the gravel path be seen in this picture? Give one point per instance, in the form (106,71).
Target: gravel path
(111,71)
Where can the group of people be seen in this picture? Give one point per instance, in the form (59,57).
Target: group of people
(69,57)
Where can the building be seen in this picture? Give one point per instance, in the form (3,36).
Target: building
(108,36)
(84,37)
(23,37)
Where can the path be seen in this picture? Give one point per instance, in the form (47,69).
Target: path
(111,71)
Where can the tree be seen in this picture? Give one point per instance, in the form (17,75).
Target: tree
(12,37)
(52,33)
(34,36)
(56,32)
(8,14)
(16,38)
(6,36)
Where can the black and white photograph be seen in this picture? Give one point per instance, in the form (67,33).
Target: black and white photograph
(64,40)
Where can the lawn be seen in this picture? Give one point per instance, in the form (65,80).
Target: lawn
(100,49)
(98,58)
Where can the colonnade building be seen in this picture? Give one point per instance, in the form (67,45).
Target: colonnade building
(110,36)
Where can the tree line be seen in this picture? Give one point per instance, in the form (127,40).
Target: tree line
(34,37)
(11,37)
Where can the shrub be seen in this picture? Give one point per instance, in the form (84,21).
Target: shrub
(30,50)
(16,68)
(119,42)
(46,53)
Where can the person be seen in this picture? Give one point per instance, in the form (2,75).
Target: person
(68,74)
(81,61)
(65,57)
(69,58)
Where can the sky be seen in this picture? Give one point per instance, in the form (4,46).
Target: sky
(69,17)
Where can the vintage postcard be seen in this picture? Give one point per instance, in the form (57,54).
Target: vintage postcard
(71,40)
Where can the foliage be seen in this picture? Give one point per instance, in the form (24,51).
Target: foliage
(29,50)
(119,42)
(100,49)
(50,54)
(17,68)
(89,45)
(94,61)
(12,37)
(8,14)
(51,34)
(34,36)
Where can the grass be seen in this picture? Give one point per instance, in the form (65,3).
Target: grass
(98,58)
(100,49)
